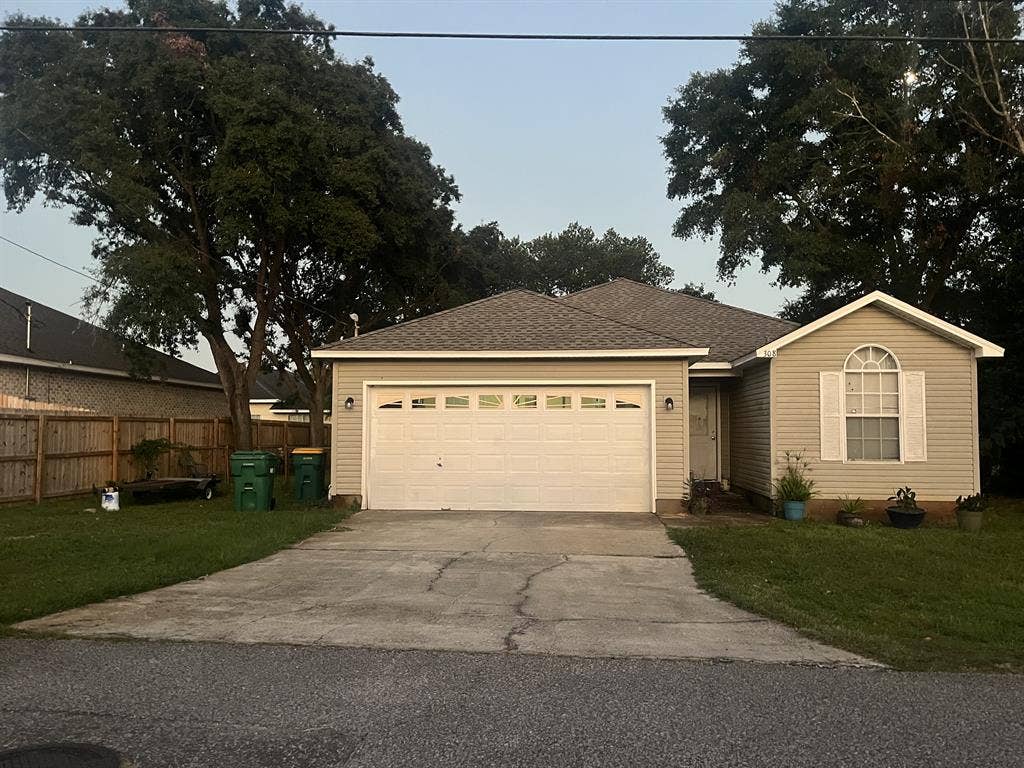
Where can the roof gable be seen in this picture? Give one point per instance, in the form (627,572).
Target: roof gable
(58,338)
(730,332)
(982,347)
(517,321)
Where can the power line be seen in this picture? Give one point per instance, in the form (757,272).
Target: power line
(334,33)
(52,261)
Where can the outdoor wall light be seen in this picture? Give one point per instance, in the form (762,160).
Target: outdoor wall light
(669,404)
(349,402)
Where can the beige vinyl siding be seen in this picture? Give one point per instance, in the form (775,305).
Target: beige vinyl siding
(723,433)
(670,377)
(950,408)
(750,430)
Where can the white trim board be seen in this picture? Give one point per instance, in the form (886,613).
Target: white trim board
(679,352)
(982,347)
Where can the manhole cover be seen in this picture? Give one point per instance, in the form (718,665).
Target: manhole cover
(60,756)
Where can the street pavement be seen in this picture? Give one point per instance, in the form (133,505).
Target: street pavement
(182,705)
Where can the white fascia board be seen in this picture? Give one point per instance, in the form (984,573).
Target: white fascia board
(557,354)
(72,368)
(982,347)
(716,369)
(263,401)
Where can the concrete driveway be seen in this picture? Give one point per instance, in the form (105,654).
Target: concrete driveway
(577,584)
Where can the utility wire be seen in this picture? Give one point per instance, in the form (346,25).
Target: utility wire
(52,261)
(219,260)
(334,33)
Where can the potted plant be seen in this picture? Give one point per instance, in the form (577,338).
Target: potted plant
(905,513)
(794,489)
(850,511)
(698,496)
(970,510)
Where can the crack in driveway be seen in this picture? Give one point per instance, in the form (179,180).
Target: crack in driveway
(519,628)
(444,567)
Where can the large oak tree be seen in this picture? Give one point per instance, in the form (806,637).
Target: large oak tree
(234,179)
(853,166)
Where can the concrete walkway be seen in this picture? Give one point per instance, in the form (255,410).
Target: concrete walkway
(576,584)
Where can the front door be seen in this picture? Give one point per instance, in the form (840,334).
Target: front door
(704,432)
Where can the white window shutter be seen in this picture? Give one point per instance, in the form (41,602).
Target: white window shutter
(915,439)
(830,393)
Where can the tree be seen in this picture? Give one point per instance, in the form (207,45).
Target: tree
(400,269)
(856,166)
(570,261)
(213,165)
(698,290)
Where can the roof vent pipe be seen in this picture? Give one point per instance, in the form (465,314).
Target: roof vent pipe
(28,325)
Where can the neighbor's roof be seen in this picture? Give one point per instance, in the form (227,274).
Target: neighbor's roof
(519,322)
(275,386)
(63,341)
(730,332)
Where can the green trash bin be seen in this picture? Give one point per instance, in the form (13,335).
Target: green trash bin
(252,475)
(308,474)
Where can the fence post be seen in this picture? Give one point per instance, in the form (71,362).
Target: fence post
(172,434)
(115,448)
(284,448)
(40,457)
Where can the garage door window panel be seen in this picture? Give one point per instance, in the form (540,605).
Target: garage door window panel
(558,402)
(524,401)
(388,400)
(490,402)
(424,402)
(593,402)
(456,402)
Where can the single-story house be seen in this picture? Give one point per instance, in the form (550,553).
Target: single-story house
(611,398)
(51,361)
(277,397)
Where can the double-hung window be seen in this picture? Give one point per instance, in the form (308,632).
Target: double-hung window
(872,405)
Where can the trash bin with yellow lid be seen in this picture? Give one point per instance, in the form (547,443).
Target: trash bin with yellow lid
(308,475)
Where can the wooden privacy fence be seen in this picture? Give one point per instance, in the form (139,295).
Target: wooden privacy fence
(46,456)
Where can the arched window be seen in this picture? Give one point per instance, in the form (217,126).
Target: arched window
(872,405)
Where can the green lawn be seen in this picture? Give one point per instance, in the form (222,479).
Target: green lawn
(59,554)
(927,599)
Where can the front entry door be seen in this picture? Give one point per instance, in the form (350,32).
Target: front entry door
(704,432)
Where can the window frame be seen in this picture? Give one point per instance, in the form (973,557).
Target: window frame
(898,416)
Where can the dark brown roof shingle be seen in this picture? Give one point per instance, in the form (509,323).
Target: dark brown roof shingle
(730,332)
(61,338)
(518,320)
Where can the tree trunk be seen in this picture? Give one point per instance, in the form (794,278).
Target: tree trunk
(317,436)
(234,380)
(241,418)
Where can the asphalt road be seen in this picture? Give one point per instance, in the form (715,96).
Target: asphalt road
(183,705)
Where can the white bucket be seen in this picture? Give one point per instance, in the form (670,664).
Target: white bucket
(111,501)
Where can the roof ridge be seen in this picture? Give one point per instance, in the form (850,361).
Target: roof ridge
(560,300)
(413,321)
(676,293)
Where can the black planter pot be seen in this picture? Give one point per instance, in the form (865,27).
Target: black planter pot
(902,518)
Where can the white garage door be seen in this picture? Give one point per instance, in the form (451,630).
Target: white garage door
(510,448)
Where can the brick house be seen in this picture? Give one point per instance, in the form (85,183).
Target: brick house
(51,361)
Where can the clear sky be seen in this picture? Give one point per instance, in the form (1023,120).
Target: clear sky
(537,134)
